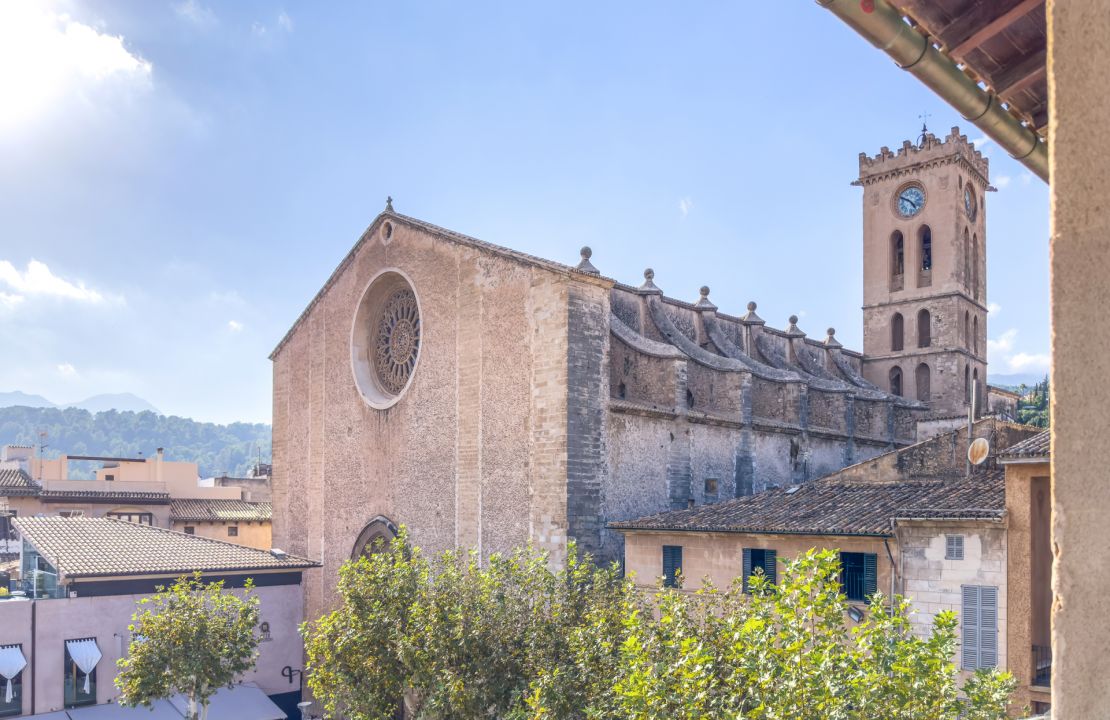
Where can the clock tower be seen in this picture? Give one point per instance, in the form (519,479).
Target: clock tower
(925,271)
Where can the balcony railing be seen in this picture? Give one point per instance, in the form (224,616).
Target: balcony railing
(1042,665)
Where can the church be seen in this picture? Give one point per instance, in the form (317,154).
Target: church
(485,398)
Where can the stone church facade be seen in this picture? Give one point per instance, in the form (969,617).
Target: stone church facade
(485,398)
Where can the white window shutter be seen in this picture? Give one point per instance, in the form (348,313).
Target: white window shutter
(988,627)
(969,621)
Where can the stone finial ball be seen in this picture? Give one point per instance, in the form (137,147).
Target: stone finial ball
(586,252)
(704,291)
(649,274)
(832,331)
(751,306)
(793,319)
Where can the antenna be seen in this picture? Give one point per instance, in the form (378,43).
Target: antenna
(978,451)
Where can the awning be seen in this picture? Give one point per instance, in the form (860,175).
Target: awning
(159,710)
(11,662)
(242,702)
(86,654)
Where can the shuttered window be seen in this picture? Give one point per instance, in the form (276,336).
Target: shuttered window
(953,547)
(759,558)
(859,575)
(979,622)
(672,565)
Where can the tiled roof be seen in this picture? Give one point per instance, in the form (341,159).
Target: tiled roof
(14,481)
(824,507)
(114,496)
(219,510)
(92,547)
(1034,447)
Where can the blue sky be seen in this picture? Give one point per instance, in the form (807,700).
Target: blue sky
(178,179)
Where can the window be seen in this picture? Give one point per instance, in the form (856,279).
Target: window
(672,565)
(896,327)
(897,260)
(190,530)
(710,489)
(924,329)
(953,547)
(79,668)
(143,518)
(109,477)
(858,575)
(759,559)
(924,381)
(12,657)
(975,267)
(967,383)
(896,380)
(71,513)
(925,246)
(967,259)
(979,622)
(975,335)
(233,531)
(621,391)
(967,329)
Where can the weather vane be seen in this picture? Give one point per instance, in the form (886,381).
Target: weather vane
(924,128)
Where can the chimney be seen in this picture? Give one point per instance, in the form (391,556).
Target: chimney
(158,465)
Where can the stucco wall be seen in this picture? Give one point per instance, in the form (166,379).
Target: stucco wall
(107,618)
(251,534)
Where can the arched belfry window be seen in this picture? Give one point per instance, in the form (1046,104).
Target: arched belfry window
(967,329)
(896,380)
(377,534)
(923,382)
(975,335)
(897,259)
(967,383)
(975,266)
(967,259)
(896,328)
(925,256)
(924,329)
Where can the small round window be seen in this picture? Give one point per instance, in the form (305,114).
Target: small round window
(385,339)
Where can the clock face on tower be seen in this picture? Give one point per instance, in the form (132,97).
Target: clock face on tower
(969,202)
(910,200)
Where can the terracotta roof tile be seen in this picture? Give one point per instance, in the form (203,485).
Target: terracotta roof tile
(139,497)
(1034,447)
(219,510)
(824,507)
(92,547)
(14,481)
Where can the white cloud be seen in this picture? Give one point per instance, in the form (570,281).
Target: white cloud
(67,370)
(9,301)
(1000,353)
(195,13)
(981,142)
(285,22)
(1004,343)
(39,280)
(993,309)
(1027,361)
(234,326)
(685,205)
(1003,181)
(47,58)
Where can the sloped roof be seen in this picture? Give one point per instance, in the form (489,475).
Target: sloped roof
(825,507)
(97,547)
(14,481)
(219,510)
(1034,447)
(137,497)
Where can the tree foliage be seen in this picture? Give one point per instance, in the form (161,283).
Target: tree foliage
(192,639)
(512,638)
(1032,406)
(216,449)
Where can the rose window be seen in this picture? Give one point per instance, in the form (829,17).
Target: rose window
(396,340)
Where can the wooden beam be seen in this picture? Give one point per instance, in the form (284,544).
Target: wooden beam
(1017,77)
(982,23)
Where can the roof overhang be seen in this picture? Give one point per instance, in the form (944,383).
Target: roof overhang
(985,59)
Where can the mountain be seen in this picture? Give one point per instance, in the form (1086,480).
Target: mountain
(97,403)
(216,449)
(122,402)
(1015,379)
(21,398)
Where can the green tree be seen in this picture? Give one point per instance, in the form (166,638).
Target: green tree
(192,639)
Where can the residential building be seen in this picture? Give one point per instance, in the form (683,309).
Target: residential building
(81,580)
(1030,559)
(152,491)
(913,522)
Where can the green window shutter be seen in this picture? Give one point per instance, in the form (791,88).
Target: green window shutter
(969,622)
(747,567)
(672,565)
(988,627)
(870,574)
(770,566)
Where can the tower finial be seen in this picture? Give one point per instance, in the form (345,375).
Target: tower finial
(924,128)
(388,203)
(585,265)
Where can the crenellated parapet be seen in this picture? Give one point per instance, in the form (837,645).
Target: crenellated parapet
(930,152)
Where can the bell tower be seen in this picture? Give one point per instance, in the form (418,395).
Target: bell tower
(925,271)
